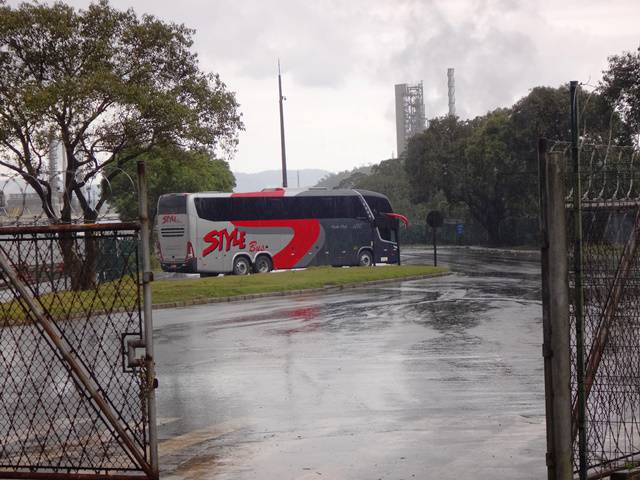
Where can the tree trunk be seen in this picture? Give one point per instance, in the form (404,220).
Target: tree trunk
(79,252)
(79,255)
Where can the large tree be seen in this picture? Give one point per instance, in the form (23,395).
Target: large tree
(109,86)
(490,163)
(169,169)
(620,86)
(469,162)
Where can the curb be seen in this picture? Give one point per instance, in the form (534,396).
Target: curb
(288,293)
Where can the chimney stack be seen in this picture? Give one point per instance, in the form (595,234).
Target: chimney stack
(452,92)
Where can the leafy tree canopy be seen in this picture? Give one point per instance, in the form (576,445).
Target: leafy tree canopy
(168,169)
(109,85)
(620,86)
(490,163)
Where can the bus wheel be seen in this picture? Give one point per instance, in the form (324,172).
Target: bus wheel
(241,266)
(262,264)
(365,259)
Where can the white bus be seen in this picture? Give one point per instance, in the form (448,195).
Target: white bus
(212,233)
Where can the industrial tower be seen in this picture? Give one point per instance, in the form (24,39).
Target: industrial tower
(410,113)
(451,83)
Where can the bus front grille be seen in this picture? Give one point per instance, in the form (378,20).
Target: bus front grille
(168,232)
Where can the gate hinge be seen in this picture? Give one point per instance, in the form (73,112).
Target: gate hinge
(147,277)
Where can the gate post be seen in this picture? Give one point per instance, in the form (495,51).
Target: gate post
(147,277)
(555,314)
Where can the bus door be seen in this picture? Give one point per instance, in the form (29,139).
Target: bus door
(385,240)
(340,242)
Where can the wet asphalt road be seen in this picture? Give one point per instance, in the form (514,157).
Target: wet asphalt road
(435,379)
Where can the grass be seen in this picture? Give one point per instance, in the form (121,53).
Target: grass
(120,294)
(169,291)
(66,305)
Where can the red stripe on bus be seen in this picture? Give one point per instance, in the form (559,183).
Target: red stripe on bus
(305,234)
(269,193)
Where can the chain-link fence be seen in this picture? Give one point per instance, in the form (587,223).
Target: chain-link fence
(73,392)
(603,235)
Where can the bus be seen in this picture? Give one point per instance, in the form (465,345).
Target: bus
(212,233)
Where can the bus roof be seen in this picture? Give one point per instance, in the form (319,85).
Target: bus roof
(288,192)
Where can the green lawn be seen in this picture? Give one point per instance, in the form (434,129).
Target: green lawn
(120,294)
(169,291)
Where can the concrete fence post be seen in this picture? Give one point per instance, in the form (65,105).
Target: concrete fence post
(555,313)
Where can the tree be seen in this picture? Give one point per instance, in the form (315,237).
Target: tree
(108,86)
(431,155)
(168,170)
(490,163)
(470,162)
(620,86)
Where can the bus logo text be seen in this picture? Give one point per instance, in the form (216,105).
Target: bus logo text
(219,239)
(256,247)
(169,219)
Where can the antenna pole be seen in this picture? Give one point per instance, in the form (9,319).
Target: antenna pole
(282,147)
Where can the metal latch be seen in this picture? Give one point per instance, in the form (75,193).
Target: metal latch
(134,344)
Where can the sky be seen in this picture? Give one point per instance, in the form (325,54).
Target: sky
(341,59)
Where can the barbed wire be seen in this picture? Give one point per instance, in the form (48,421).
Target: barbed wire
(609,173)
(20,204)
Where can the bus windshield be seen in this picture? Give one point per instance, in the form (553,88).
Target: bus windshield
(172,204)
(378,205)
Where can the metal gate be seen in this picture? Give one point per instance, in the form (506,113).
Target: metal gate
(75,383)
(596,210)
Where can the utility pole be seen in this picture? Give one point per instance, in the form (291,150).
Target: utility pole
(282,147)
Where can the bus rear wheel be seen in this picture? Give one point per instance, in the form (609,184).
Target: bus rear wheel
(262,264)
(241,266)
(365,258)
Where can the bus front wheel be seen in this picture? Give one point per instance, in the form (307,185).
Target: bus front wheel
(365,258)
(241,266)
(262,264)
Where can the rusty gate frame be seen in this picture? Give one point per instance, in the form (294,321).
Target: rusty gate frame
(147,459)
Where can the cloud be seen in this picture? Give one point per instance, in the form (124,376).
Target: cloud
(341,59)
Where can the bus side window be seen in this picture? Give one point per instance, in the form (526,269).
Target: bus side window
(323,207)
(358,208)
(297,207)
(242,208)
(274,208)
(350,207)
(256,207)
(213,209)
(220,208)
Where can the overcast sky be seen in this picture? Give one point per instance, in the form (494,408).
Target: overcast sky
(341,59)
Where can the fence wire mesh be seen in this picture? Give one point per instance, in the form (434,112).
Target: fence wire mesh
(86,280)
(610,213)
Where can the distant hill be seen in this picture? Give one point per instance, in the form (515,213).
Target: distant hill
(345,179)
(253,182)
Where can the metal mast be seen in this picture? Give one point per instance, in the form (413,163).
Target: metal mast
(452,92)
(282,147)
